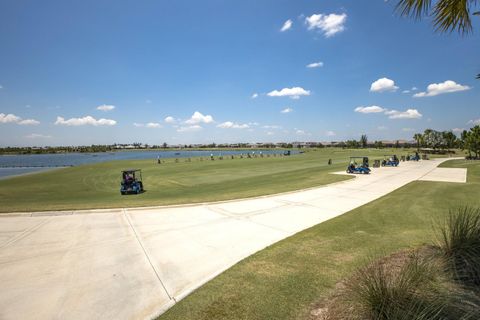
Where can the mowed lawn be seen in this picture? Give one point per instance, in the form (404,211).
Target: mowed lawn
(98,185)
(286,279)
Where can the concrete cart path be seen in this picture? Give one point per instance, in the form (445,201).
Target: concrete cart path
(136,263)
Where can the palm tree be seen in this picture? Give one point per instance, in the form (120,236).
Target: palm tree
(364,140)
(448,15)
(418,137)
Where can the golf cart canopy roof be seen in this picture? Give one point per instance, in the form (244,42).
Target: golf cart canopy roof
(358,157)
(131,170)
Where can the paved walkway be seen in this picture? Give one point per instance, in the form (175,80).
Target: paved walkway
(136,263)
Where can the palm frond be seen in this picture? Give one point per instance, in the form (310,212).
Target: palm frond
(414,8)
(452,15)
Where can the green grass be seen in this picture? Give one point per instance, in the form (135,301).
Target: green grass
(98,185)
(285,280)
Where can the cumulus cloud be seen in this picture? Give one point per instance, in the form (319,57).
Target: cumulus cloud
(105,107)
(330,134)
(408,114)
(29,122)
(328,24)
(233,125)
(189,128)
(254,96)
(287,110)
(294,92)
(458,130)
(170,120)
(392,114)
(87,120)
(153,125)
(435,89)
(315,65)
(197,118)
(474,122)
(11,118)
(370,109)
(300,132)
(383,84)
(287,25)
(271,127)
(37,136)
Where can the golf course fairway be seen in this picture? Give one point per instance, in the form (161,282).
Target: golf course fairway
(95,186)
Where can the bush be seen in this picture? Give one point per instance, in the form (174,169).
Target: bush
(460,243)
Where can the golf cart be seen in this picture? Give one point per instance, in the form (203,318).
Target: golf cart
(131,182)
(390,161)
(362,168)
(415,157)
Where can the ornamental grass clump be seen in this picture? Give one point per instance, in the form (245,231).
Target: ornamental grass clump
(460,243)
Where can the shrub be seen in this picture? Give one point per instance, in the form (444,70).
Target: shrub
(460,243)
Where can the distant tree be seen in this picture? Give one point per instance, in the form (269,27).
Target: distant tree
(378,144)
(164,145)
(418,137)
(364,141)
(397,144)
(450,139)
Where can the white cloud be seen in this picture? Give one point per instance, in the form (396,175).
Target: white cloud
(189,128)
(170,120)
(370,109)
(414,89)
(287,25)
(329,24)
(435,89)
(11,118)
(408,129)
(287,110)
(105,107)
(138,125)
(294,92)
(383,84)
(300,132)
(406,91)
(381,128)
(408,114)
(458,130)
(153,125)
(270,133)
(474,122)
(87,120)
(37,136)
(271,127)
(330,134)
(233,125)
(254,96)
(29,122)
(197,118)
(315,65)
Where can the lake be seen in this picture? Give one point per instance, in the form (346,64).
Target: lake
(12,165)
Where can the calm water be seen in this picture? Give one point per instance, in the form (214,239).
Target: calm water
(9,164)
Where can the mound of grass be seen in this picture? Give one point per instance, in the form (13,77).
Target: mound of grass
(410,284)
(460,243)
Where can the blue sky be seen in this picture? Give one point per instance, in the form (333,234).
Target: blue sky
(94,72)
